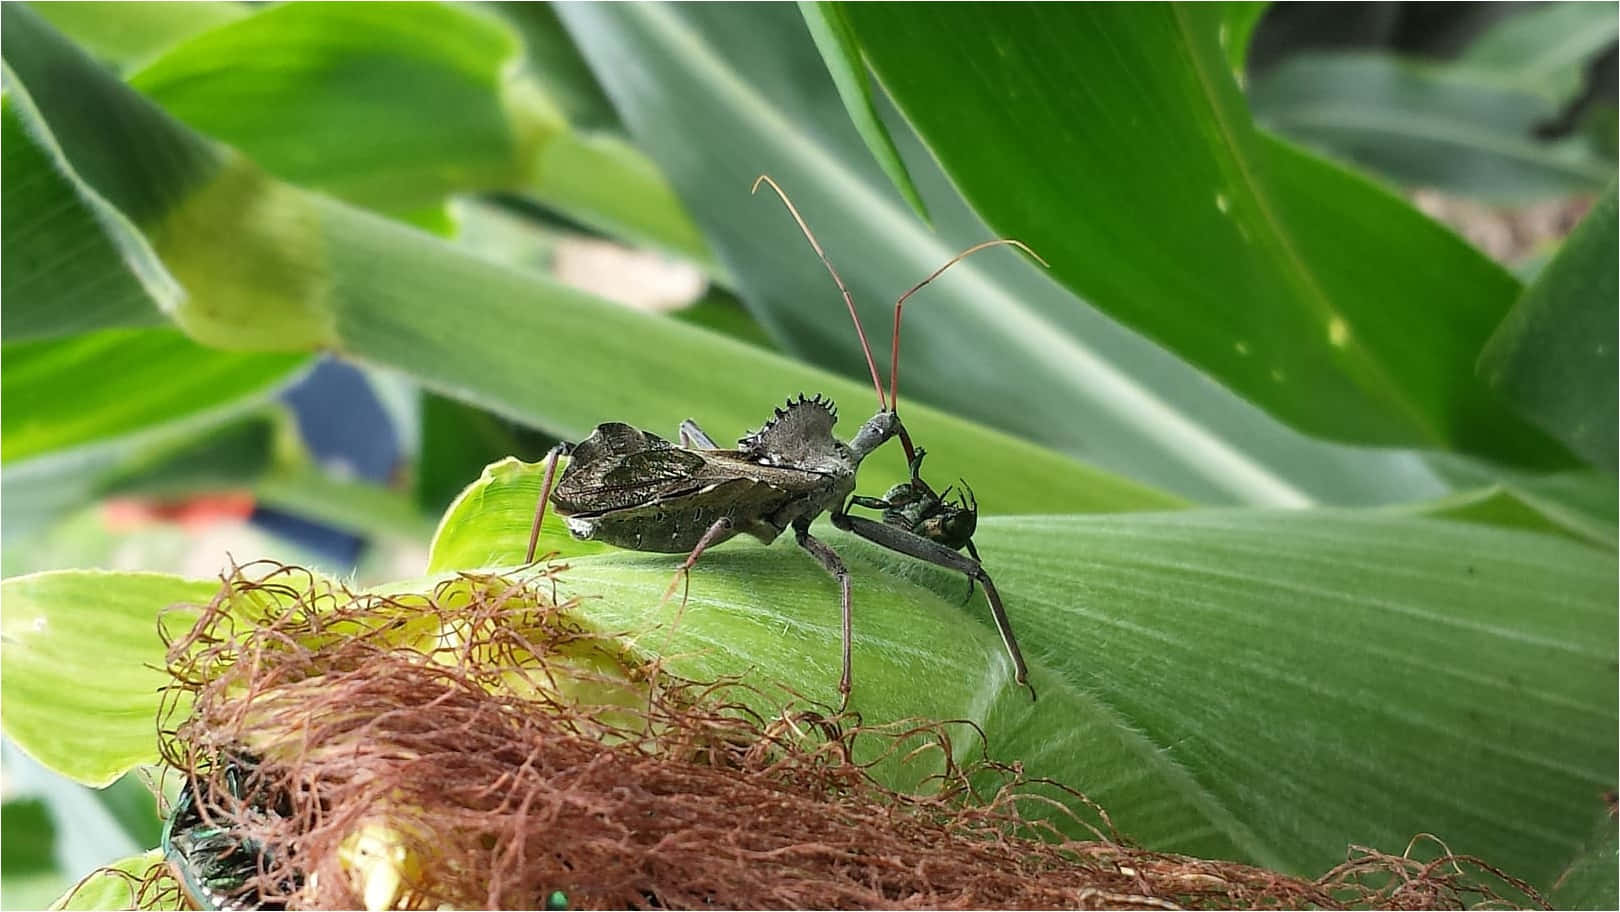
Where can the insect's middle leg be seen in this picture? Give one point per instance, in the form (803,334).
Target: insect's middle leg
(721,529)
(693,437)
(832,563)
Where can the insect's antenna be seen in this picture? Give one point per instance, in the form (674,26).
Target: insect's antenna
(877,382)
(894,350)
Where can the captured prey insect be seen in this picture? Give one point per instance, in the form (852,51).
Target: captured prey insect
(913,505)
(215,861)
(636,490)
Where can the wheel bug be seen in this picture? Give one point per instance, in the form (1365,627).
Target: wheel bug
(636,490)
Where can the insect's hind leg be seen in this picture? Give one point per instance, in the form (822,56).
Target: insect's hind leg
(693,437)
(913,545)
(833,564)
(561,449)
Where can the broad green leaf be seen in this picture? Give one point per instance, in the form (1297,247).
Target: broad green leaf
(1592,881)
(29,837)
(393,106)
(488,524)
(138,141)
(1295,284)
(720,311)
(1261,685)
(130,803)
(836,42)
(126,34)
(65,266)
(731,92)
(1554,355)
(1587,516)
(110,891)
(459,131)
(558,65)
(1432,125)
(1545,48)
(1238,22)
(604,361)
(1584,503)
(302,270)
(226,455)
(1264,685)
(83,667)
(458,441)
(362,508)
(609,185)
(157,378)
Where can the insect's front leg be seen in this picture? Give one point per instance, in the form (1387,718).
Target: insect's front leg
(833,564)
(561,449)
(913,545)
(693,437)
(871,503)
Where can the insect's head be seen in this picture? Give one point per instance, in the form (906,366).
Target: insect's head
(952,523)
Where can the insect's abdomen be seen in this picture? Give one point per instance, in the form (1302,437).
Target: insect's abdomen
(671,533)
(674,525)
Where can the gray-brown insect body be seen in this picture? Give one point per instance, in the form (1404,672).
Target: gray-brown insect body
(636,490)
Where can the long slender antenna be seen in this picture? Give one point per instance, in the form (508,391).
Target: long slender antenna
(894,350)
(877,382)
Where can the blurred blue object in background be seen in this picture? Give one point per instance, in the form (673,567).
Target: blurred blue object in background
(349,435)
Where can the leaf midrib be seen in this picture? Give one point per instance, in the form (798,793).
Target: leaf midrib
(1304,279)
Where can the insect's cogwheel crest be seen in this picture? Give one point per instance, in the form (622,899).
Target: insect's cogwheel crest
(803,422)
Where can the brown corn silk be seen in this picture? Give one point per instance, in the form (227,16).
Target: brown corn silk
(512,753)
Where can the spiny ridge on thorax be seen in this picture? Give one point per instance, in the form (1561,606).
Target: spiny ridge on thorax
(802,420)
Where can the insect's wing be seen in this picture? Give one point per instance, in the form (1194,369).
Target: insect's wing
(619,466)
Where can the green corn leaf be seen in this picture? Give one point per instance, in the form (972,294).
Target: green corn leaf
(836,41)
(1229,683)
(1153,195)
(84,666)
(302,271)
(1554,356)
(108,890)
(1179,684)
(67,265)
(1243,684)
(1581,505)
(1238,22)
(157,379)
(127,34)
(395,105)
(1546,48)
(996,339)
(1444,126)
(1590,882)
